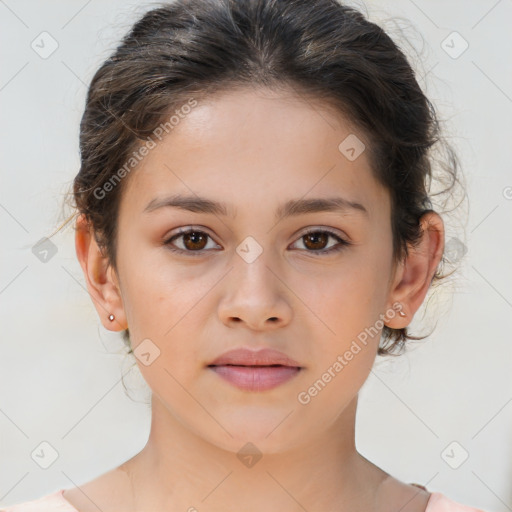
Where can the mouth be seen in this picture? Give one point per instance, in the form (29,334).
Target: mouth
(251,370)
(254,365)
(246,357)
(255,378)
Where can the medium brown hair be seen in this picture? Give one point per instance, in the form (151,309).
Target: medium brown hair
(320,48)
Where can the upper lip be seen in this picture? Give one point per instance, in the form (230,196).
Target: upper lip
(248,357)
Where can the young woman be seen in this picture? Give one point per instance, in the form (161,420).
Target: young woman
(254,205)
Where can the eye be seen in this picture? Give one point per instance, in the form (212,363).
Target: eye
(316,240)
(193,240)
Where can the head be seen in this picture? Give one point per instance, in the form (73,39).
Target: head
(259,107)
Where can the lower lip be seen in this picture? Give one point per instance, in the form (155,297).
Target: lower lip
(250,378)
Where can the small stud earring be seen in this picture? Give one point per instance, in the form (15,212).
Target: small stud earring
(397,305)
(111,318)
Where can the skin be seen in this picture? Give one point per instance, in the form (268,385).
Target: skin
(254,149)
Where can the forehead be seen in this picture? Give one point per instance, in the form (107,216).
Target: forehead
(243,145)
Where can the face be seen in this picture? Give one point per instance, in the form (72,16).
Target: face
(250,276)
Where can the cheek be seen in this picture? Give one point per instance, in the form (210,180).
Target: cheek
(343,310)
(335,379)
(343,346)
(168,308)
(345,297)
(154,291)
(167,317)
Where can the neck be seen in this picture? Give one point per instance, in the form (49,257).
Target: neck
(179,470)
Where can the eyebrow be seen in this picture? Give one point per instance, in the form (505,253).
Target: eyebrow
(290,208)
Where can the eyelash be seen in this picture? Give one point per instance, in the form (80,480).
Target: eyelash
(323,252)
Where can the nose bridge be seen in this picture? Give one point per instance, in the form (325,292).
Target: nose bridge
(252,263)
(254,293)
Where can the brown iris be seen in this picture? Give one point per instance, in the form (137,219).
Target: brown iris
(323,237)
(198,240)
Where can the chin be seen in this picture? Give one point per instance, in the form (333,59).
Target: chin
(267,432)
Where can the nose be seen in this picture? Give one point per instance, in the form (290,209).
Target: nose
(255,295)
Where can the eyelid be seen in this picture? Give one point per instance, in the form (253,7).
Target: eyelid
(326,229)
(187,229)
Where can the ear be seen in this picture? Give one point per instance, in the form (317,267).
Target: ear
(413,276)
(101,279)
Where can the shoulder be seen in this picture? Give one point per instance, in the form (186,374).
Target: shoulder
(440,503)
(108,492)
(393,494)
(54,502)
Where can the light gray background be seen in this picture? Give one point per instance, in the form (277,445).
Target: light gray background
(60,370)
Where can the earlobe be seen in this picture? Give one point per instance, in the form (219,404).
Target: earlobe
(98,273)
(416,273)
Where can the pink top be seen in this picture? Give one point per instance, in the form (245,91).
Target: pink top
(56,502)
